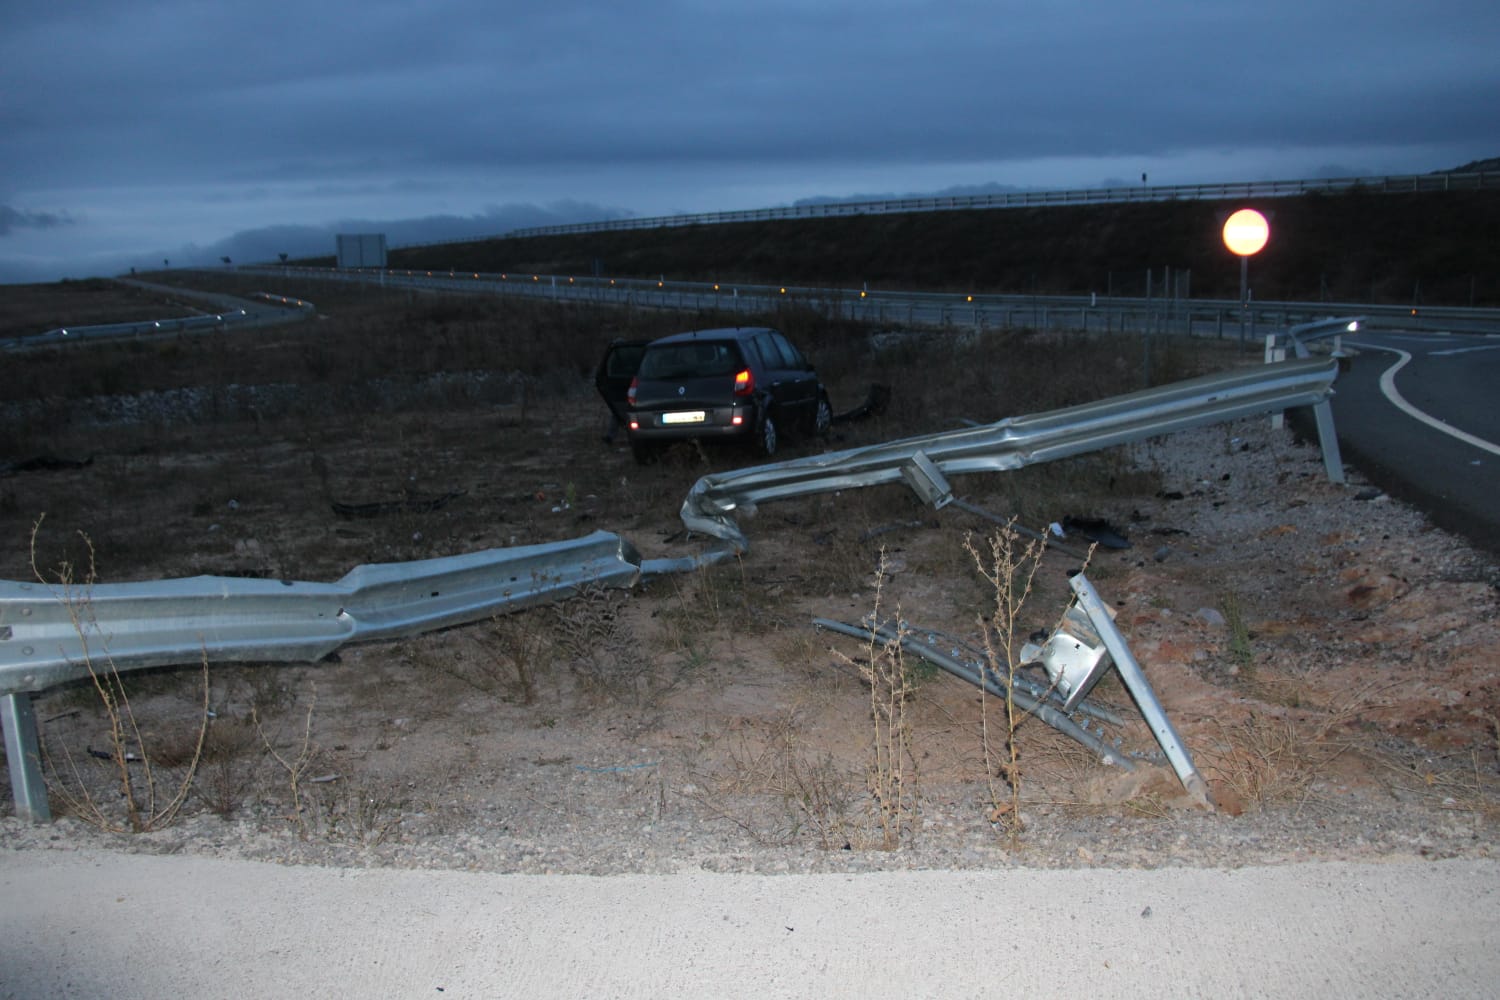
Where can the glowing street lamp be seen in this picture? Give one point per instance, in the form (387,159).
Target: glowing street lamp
(1245,234)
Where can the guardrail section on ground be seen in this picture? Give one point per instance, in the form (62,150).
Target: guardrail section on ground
(50,634)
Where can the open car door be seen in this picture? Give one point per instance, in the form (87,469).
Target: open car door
(618,366)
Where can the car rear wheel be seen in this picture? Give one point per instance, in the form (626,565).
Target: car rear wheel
(765,438)
(823,418)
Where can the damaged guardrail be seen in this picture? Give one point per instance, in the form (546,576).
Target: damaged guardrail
(1083,648)
(50,634)
(1076,655)
(53,634)
(924,462)
(1031,699)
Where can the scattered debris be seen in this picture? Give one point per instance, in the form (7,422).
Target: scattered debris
(1050,537)
(130,757)
(1096,529)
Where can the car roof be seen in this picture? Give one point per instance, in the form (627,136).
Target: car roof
(718,333)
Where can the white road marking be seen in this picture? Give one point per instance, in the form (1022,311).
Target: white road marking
(1464,350)
(1389,390)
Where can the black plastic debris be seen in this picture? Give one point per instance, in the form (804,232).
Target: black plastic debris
(1096,530)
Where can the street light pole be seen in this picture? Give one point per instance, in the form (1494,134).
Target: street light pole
(1244,295)
(1245,234)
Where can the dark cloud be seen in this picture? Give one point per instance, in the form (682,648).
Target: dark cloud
(174,120)
(12,218)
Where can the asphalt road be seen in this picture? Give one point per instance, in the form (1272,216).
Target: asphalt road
(1419,414)
(86,924)
(239,314)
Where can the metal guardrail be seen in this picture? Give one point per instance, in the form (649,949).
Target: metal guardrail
(140,328)
(923,462)
(50,634)
(1029,199)
(149,329)
(936,310)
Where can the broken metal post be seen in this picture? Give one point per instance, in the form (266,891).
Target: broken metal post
(23,750)
(926,480)
(1140,689)
(987,680)
(1333,462)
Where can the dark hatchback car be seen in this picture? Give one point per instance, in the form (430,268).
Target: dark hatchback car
(740,383)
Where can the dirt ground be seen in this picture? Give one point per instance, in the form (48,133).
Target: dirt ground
(1327,656)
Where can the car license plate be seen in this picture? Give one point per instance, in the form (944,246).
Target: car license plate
(683,417)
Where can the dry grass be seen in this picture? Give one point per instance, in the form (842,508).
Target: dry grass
(781,788)
(153,780)
(1265,761)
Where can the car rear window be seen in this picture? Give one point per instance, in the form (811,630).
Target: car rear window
(693,360)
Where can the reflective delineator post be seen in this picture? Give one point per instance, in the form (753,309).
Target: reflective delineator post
(1140,689)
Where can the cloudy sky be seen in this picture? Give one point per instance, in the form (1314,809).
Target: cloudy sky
(189,130)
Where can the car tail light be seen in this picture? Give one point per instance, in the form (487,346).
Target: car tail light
(630,393)
(744,383)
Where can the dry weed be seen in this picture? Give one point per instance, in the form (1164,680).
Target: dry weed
(1008,566)
(297,760)
(149,801)
(891,775)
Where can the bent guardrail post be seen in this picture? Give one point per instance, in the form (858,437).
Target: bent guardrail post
(988,681)
(1012,443)
(1140,689)
(53,634)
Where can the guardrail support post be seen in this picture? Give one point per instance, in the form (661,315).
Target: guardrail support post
(1333,462)
(927,480)
(1140,689)
(23,751)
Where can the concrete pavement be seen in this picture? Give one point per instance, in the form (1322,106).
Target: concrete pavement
(90,924)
